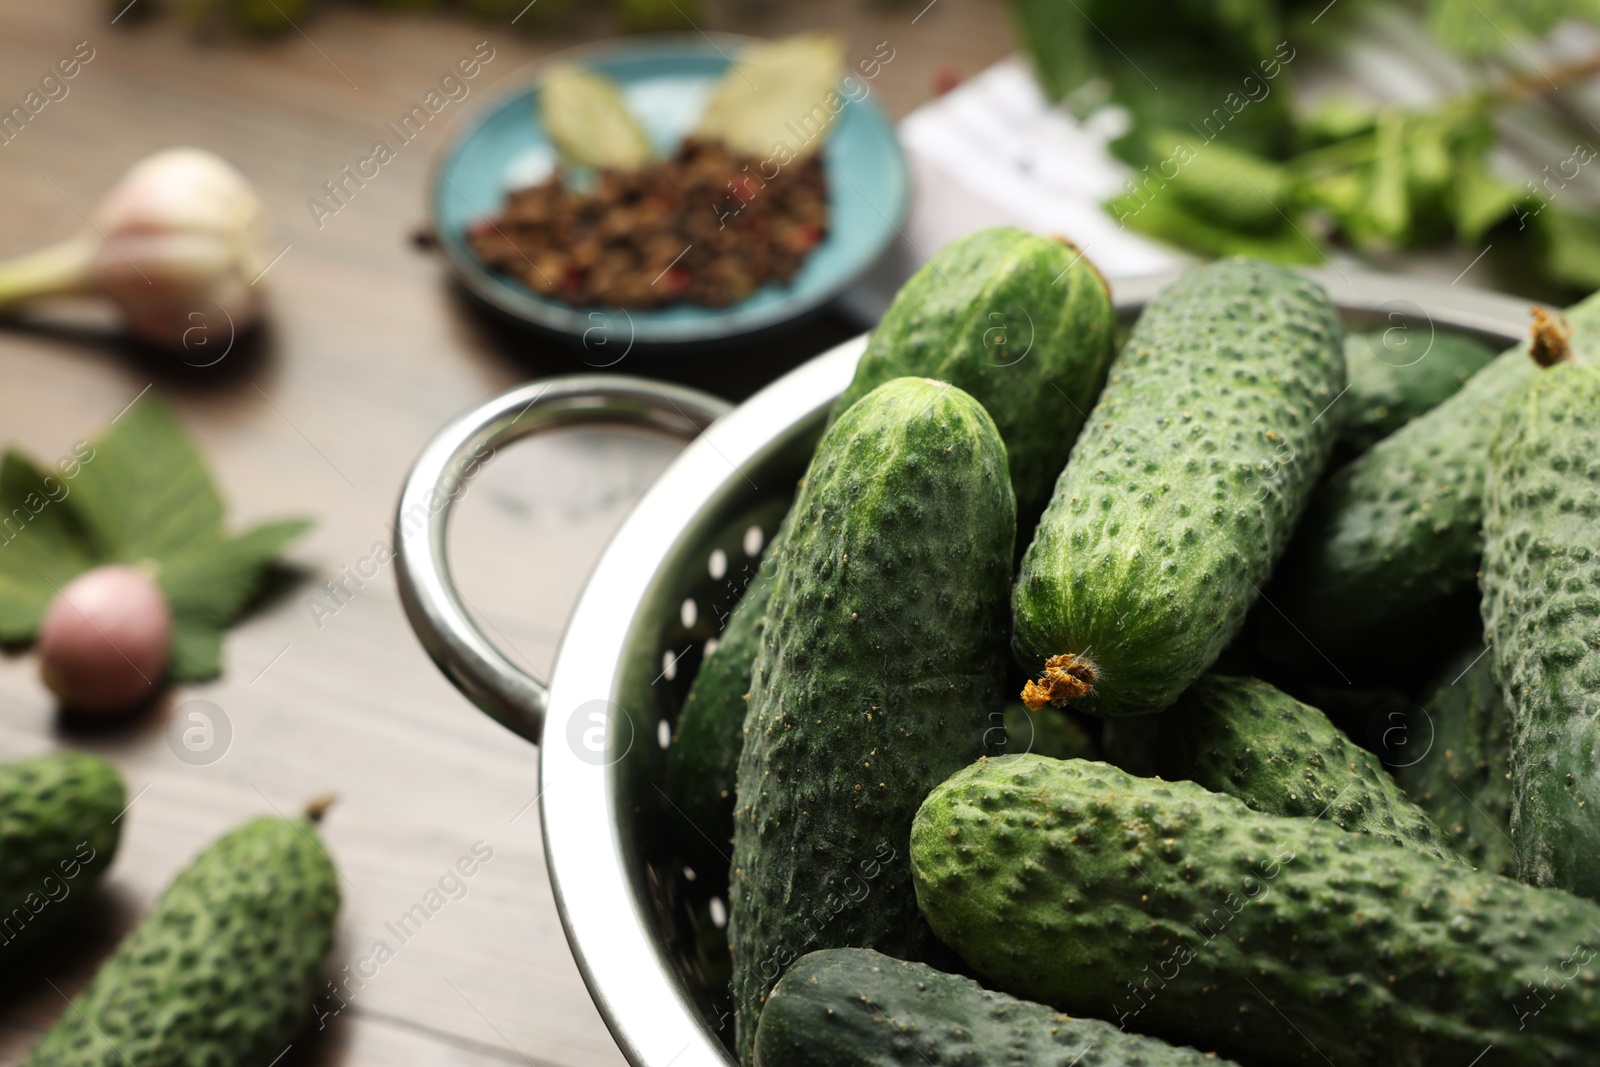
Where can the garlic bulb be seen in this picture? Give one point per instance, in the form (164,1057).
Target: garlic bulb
(177,243)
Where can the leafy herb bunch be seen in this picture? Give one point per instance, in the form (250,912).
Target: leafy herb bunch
(1227,160)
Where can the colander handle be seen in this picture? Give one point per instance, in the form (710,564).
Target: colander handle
(510,695)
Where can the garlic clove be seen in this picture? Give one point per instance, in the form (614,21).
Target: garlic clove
(178,243)
(185,236)
(105,640)
(169,283)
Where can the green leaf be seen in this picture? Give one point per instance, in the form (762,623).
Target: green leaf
(211,583)
(1071,43)
(588,120)
(1166,218)
(1168,61)
(196,652)
(1382,218)
(1213,181)
(146,493)
(1337,118)
(1179,87)
(1341,193)
(1053,33)
(1430,162)
(1572,247)
(42,544)
(640,15)
(1476,27)
(775,95)
(141,495)
(1481,200)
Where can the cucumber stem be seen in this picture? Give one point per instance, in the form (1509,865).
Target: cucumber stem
(1065,677)
(1066,243)
(1530,86)
(318,806)
(1551,341)
(58,270)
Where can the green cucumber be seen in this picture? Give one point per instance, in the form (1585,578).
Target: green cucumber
(1541,609)
(704,757)
(1245,738)
(1023,323)
(1394,377)
(1395,534)
(223,971)
(59,828)
(1181,913)
(1182,491)
(1462,774)
(881,661)
(852,1007)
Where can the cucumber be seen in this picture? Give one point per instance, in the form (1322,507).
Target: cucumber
(59,829)
(1395,534)
(1182,491)
(1023,323)
(1462,774)
(1541,602)
(1181,913)
(852,1007)
(704,757)
(882,659)
(1245,738)
(1394,377)
(223,971)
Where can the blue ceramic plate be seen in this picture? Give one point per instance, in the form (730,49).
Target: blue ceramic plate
(666,81)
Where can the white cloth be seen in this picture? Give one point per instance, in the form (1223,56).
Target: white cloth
(993,152)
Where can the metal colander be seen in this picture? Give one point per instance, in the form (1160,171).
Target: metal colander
(644,927)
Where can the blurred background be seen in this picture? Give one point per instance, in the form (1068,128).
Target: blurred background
(1446,138)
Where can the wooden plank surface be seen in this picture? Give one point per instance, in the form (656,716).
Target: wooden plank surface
(367,350)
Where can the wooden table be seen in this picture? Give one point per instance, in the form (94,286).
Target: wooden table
(367,350)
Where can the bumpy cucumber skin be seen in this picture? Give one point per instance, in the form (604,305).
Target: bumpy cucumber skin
(225,968)
(1024,323)
(1396,531)
(1541,610)
(1388,387)
(1399,530)
(704,758)
(882,659)
(1463,778)
(1184,487)
(58,834)
(1243,737)
(854,1007)
(1177,912)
